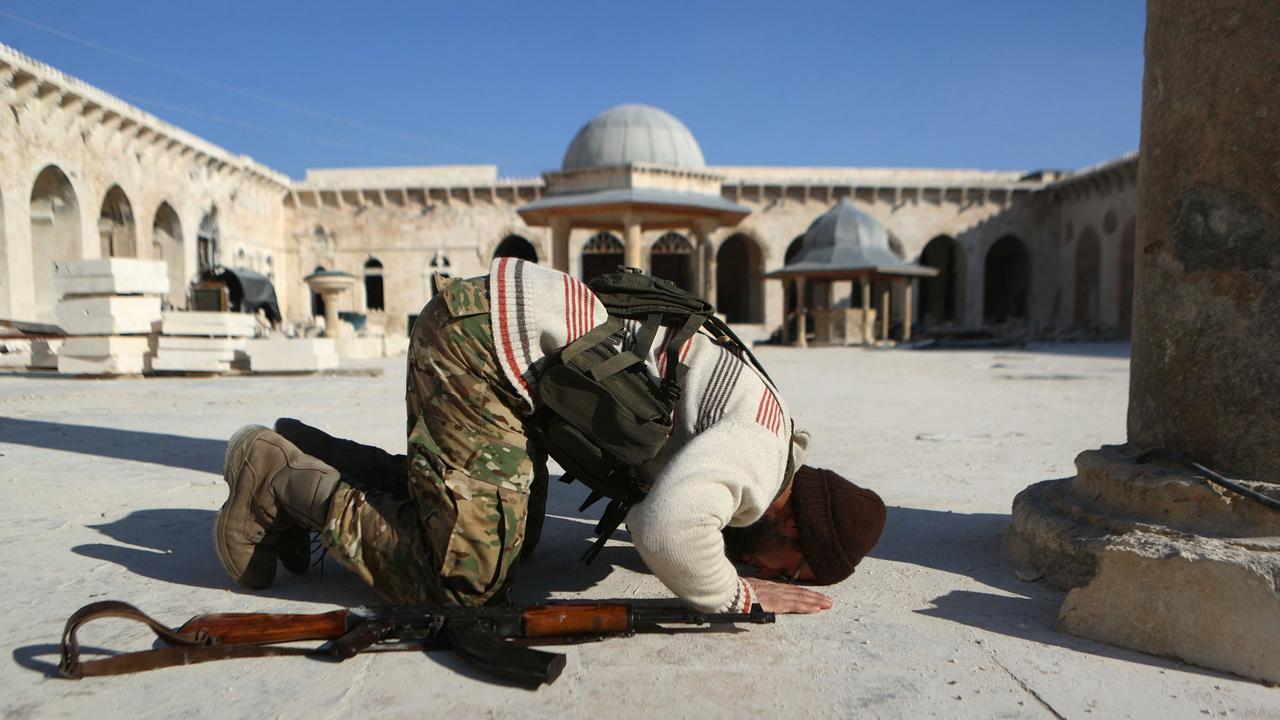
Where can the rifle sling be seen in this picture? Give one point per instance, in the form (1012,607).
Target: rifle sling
(185,648)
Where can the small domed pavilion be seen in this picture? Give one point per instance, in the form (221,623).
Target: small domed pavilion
(633,168)
(845,243)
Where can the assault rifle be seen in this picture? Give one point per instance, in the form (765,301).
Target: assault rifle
(490,638)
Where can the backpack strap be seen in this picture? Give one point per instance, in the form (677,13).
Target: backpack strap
(637,354)
(593,337)
(723,332)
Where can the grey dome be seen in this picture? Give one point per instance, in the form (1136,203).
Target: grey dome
(631,134)
(845,239)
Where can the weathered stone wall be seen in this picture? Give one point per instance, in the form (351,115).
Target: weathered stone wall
(100,143)
(1095,212)
(405,235)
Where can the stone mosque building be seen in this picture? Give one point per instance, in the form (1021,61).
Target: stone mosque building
(84,174)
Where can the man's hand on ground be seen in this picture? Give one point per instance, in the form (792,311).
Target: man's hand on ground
(784,598)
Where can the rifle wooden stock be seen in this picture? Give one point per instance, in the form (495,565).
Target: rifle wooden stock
(576,619)
(260,628)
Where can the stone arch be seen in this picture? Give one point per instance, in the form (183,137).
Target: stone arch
(1007,283)
(1127,239)
(55,235)
(941,297)
(1088,270)
(166,245)
(672,257)
(601,253)
(116,229)
(740,279)
(789,294)
(208,241)
(516,246)
(373,296)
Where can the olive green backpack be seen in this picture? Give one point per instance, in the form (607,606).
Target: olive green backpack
(603,417)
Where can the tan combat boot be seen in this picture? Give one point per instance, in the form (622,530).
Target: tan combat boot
(275,490)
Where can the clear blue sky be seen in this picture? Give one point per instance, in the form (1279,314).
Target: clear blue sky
(996,84)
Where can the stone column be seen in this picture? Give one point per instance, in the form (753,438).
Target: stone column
(560,230)
(1157,558)
(907,310)
(884,311)
(702,238)
(865,282)
(802,332)
(786,327)
(634,253)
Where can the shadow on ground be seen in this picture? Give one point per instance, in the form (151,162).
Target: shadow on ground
(176,451)
(969,545)
(174,545)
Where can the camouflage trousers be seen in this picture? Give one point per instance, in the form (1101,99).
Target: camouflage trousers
(454,536)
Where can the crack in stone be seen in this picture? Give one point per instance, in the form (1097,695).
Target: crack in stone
(1043,703)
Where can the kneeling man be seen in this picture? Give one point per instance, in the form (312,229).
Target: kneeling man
(447,522)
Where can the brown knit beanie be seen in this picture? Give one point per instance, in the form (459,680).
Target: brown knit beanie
(838,522)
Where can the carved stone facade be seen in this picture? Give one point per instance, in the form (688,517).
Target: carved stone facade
(84,175)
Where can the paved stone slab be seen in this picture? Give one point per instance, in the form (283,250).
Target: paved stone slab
(210,324)
(91,346)
(122,364)
(194,342)
(292,354)
(111,490)
(110,276)
(192,361)
(109,315)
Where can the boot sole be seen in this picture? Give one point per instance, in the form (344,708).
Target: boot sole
(233,461)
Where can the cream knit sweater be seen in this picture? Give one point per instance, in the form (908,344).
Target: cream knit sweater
(727,455)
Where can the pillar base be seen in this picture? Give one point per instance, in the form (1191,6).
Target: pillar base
(1157,560)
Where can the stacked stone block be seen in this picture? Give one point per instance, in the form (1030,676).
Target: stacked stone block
(280,354)
(203,342)
(108,307)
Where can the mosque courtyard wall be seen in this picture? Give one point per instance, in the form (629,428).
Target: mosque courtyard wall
(84,174)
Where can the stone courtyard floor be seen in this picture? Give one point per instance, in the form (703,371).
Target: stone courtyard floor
(110,488)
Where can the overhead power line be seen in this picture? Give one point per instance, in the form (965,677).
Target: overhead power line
(151,102)
(258,97)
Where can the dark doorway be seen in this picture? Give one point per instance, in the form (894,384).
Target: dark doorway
(514,246)
(373,285)
(1007,286)
(116,228)
(55,235)
(602,253)
(810,288)
(672,259)
(166,245)
(940,295)
(740,280)
(1126,276)
(317,302)
(207,239)
(1088,269)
